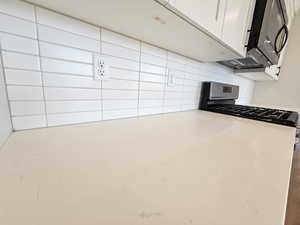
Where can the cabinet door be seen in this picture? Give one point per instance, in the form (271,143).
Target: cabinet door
(237,20)
(207,14)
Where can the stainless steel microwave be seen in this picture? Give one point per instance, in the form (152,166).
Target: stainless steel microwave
(268,36)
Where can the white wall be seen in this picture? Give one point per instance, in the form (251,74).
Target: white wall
(5,122)
(284,93)
(48,60)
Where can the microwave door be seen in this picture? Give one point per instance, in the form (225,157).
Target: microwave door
(272,27)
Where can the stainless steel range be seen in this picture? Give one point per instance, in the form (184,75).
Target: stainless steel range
(220,98)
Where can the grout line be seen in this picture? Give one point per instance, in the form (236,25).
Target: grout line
(41,68)
(6,89)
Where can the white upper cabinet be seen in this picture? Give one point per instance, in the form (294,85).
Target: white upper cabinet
(237,22)
(227,20)
(208,15)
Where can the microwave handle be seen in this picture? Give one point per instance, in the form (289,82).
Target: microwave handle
(284,41)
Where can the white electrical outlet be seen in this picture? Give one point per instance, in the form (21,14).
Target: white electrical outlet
(101,69)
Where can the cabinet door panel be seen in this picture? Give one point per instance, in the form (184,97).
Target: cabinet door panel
(206,14)
(237,20)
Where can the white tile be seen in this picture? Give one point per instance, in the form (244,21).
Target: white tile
(124,74)
(22,77)
(173,102)
(59,52)
(120,84)
(20,61)
(17,8)
(170,109)
(120,104)
(117,51)
(155,60)
(71,94)
(28,122)
(155,51)
(121,63)
(153,69)
(176,88)
(119,94)
(151,94)
(60,80)
(25,93)
(151,86)
(118,114)
(119,39)
(59,21)
(65,38)
(73,118)
(150,111)
(73,106)
(150,103)
(192,83)
(19,44)
(58,66)
(173,95)
(27,108)
(17,26)
(176,66)
(148,77)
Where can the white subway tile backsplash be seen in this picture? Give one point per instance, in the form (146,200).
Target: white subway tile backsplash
(60,80)
(151,94)
(49,69)
(119,94)
(117,114)
(151,86)
(20,61)
(28,122)
(120,104)
(19,44)
(59,66)
(73,118)
(118,51)
(73,106)
(50,18)
(20,93)
(71,94)
(68,39)
(27,108)
(147,68)
(17,26)
(17,8)
(60,52)
(118,39)
(22,77)
(123,74)
(120,84)
(155,60)
(148,77)
(121,63)
(150,111)
(150,103)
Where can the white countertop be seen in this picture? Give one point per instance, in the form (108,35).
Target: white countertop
(182,168)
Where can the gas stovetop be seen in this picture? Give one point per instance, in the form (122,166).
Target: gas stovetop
(263,114)
(220,98)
